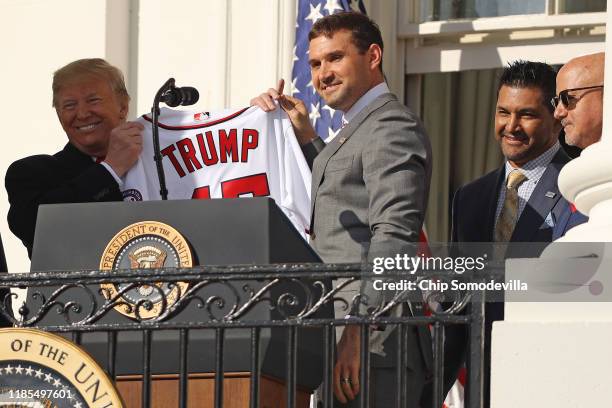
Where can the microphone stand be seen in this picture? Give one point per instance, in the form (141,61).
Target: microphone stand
(163,191)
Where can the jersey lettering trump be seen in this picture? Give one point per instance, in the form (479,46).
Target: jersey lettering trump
(225,154)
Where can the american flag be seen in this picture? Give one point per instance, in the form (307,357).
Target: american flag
(326,121)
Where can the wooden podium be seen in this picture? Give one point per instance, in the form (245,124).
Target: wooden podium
(219,232)
(201,391)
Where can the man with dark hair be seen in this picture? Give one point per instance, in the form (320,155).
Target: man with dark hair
(527,133)
(369,188)
(91,102)
(364,31)
(520,201)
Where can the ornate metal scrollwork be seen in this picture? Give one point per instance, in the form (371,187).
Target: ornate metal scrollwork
(219,299)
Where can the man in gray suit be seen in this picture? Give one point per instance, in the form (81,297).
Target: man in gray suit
(369,184)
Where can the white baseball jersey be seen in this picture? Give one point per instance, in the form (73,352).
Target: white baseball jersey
(225,154)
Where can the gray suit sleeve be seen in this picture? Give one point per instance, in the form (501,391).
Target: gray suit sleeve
(397,174)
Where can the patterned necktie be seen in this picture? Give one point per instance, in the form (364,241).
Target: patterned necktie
(508,216)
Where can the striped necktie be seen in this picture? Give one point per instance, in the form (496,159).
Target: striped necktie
(509,213)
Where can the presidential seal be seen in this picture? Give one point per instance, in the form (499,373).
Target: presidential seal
(131,195)
(40,369)
(143,245)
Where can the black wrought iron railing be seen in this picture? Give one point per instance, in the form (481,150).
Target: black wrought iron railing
(220,317)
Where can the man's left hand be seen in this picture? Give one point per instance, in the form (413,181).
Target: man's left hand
(348,364)
(295,109)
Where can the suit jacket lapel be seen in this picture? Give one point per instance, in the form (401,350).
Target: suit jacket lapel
(541,202)
(332,147)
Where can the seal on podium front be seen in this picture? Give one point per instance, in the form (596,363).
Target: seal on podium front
(145,245)
(40,369)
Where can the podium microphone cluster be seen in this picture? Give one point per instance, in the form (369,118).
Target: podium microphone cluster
(172,96)
(183,96)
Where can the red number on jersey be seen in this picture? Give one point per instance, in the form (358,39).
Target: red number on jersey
(257,185)
(201,193)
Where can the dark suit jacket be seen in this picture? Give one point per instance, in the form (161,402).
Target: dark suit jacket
(68,176)
(475,204)
(474,208)
(568,220)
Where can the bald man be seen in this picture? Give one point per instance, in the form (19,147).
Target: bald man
(579,101)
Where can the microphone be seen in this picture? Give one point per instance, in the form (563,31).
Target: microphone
(184,96)
(171,96)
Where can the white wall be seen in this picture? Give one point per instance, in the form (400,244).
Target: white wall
(36,38)
(231,50)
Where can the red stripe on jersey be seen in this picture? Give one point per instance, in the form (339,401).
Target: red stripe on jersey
(461,376)
(423,249)
(572,207)
(200,126)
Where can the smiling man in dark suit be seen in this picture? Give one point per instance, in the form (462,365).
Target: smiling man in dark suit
(520,201)
(91,102)
(527,133)
(369,184)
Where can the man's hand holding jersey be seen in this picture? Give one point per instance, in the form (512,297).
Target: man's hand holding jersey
(294,107)
(124,147)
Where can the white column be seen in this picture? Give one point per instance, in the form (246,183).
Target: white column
(385,14)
